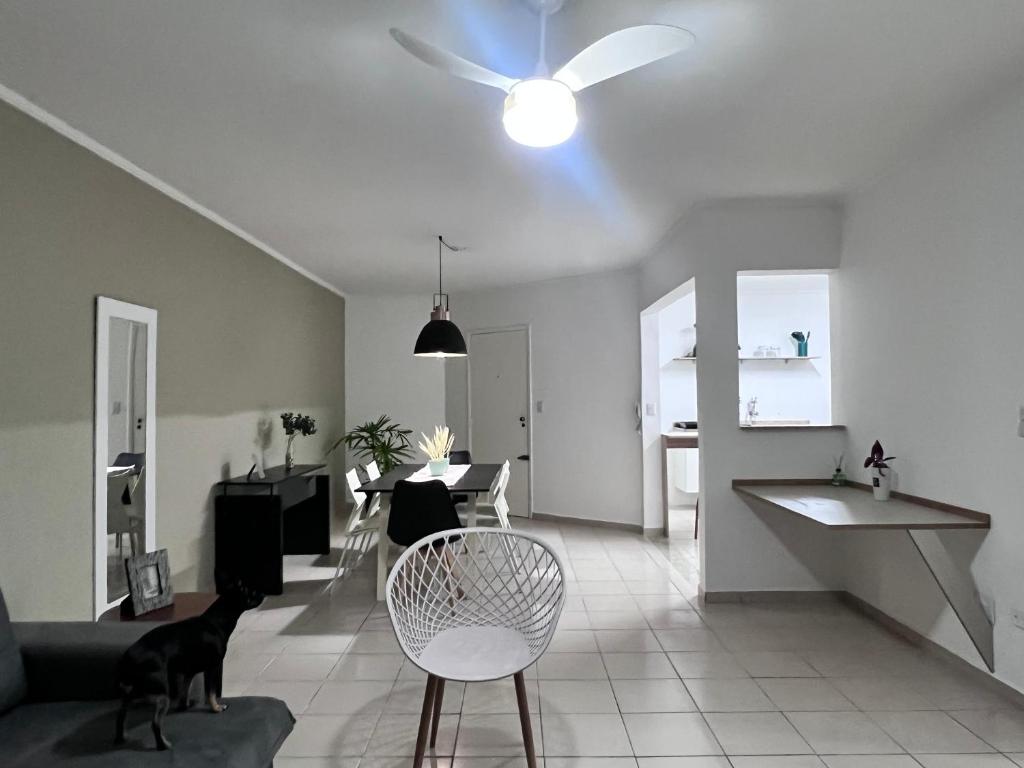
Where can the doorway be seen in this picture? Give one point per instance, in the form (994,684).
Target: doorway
(499,407)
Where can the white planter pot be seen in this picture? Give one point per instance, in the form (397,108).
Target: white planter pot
(881,485)
(438,466)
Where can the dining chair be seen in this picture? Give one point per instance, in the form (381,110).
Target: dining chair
(362,523)
(372,471)
(420,509)
(464,610)
(460,457)
(494,505)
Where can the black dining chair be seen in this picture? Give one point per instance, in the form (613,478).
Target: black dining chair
(420,509)
(460,457)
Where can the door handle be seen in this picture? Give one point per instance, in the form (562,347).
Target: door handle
(524,457)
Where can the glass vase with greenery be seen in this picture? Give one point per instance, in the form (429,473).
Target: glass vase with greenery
(382,440)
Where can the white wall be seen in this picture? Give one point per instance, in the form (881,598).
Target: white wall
(743,549)
(586,369)
(769,308)
(381,373)
(932,317)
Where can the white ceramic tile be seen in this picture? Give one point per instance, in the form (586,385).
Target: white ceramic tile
(576,697)
(776,761)
(670,619)
(1002,728)
(665,734)
(245,667)
(395,736)
(870,761)
(627,641)
(627,619)
(929,732)
(683,762)
(652,696)
(406,698)
(611,587)
(842,733)
(638,666)
(589,762)
(375,642)
(804,694)
(965,761)
(584,735)
(571,666)
(729,696)
(306,666)
(326,735)
(364,666)
(495,736)
(573,641)
(775,664)
(321,643)
(687,640)
(323,762)
(756,733)
(881,693)
(610,603)
(350,697)
(570,620)
(701,664)
(497,697)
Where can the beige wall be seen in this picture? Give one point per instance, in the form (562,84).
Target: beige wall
(240,336)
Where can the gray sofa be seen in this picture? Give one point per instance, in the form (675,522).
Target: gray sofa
(58,703)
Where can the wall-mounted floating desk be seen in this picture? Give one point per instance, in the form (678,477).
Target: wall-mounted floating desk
(853,507)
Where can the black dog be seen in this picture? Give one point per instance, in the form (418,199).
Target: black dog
(160,666)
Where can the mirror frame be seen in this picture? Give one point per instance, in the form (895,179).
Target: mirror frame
(107,309)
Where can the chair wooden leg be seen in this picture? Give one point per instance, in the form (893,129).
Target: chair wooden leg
(524,719)
(438,700)
(696,518)
(428,706)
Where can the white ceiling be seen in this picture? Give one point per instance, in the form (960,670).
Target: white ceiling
(304,124)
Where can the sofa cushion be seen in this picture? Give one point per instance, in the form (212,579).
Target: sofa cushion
(80,734)
(12,669)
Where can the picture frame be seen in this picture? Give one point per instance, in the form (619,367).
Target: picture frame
(149,582)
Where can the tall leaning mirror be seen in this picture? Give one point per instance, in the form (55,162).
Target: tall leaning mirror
(125,442)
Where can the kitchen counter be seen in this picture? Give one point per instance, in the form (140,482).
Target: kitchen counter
(761,427)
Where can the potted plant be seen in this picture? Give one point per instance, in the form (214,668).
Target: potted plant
(381,440)
(437,449)
(838,476)
(881,481)
(295,424)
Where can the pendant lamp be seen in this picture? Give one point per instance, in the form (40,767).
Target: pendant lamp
(440,337)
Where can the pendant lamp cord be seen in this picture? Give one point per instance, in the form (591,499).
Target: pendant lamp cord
(440,282)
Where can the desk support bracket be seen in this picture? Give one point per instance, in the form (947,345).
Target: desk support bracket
(959,590)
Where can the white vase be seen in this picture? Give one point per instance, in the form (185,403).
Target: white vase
(438,466)
(881,484)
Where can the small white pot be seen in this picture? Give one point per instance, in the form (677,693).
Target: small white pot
(881,485)
(438,466)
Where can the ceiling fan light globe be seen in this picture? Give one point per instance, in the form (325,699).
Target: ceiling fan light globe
(540,112)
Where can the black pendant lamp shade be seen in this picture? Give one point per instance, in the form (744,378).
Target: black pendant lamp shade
(440,337)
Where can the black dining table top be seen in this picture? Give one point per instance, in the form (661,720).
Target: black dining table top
(478,479)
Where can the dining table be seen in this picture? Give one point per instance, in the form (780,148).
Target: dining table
(472,481)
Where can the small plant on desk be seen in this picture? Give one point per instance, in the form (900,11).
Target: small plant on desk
(295,424)
(881,482)
(838,476)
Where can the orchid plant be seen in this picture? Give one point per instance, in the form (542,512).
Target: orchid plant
(439,445)
(878,460)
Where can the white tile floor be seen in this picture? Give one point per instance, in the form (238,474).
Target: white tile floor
(639,676)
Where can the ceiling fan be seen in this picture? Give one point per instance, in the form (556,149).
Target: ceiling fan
(540,111)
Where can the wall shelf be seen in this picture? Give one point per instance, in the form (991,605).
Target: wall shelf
(783,358)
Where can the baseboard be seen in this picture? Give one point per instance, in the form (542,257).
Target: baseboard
(565,519)
(654,533)
(928,645)
(772,596)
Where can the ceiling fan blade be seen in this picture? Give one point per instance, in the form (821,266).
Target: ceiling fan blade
(449,62)
(622,51)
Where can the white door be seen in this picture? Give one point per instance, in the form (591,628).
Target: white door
(499,408)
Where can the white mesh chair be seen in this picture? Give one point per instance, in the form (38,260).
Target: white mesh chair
(474,604)
(362,523)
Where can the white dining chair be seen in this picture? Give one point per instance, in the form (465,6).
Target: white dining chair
(494,506)
(464,609)
(372,471)
(362,524)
